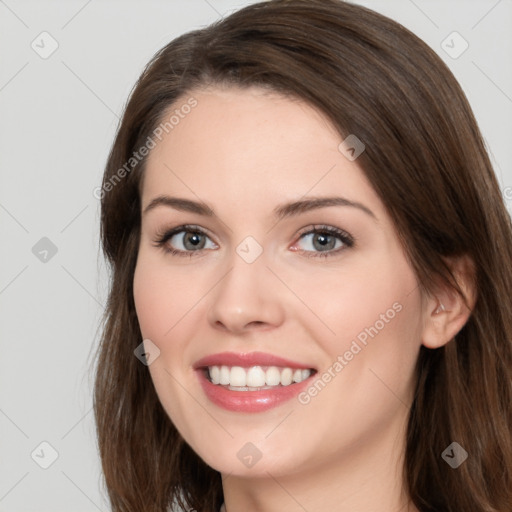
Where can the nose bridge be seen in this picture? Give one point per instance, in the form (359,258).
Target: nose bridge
(245,294)
(247,262)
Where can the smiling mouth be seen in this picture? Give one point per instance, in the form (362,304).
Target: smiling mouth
(255,378)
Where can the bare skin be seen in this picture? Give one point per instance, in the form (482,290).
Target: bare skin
(244,152)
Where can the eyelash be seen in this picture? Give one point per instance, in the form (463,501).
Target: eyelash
(163,236)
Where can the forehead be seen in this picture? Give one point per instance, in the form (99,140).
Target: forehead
(250,145)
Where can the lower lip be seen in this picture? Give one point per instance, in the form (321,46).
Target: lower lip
(250,401)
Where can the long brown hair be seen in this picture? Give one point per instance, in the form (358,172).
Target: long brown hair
(426,160)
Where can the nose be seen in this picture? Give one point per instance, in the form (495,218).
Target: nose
(248,297)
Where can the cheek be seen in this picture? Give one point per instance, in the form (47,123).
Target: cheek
(360,299)
(367,322)
(163,296)
(163,303)
(366,384)
(376,347)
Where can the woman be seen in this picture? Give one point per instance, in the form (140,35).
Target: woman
(310,254)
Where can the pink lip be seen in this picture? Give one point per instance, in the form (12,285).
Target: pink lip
(248,401)
(246,360)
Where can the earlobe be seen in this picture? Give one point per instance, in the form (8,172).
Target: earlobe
(446,313)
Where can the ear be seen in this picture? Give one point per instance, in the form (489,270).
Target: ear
(445,314)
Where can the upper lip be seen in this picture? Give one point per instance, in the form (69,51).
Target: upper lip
(247,359)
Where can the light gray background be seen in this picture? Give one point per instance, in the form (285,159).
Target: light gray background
(57,121)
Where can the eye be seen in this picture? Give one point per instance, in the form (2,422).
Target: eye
(187,240)
(183,241)
(323,241)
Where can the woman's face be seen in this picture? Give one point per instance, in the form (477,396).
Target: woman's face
(257,277)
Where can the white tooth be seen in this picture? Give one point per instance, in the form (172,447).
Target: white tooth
(305,374)
(297,376)
(224,375)
(215,374)
(255,377)
(272,376)
(286,376)
(238,377)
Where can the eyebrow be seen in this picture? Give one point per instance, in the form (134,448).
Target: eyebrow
(280,212)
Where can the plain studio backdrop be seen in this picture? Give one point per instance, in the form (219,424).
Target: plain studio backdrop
(67,68)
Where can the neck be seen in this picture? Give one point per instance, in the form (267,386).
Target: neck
(369,477)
